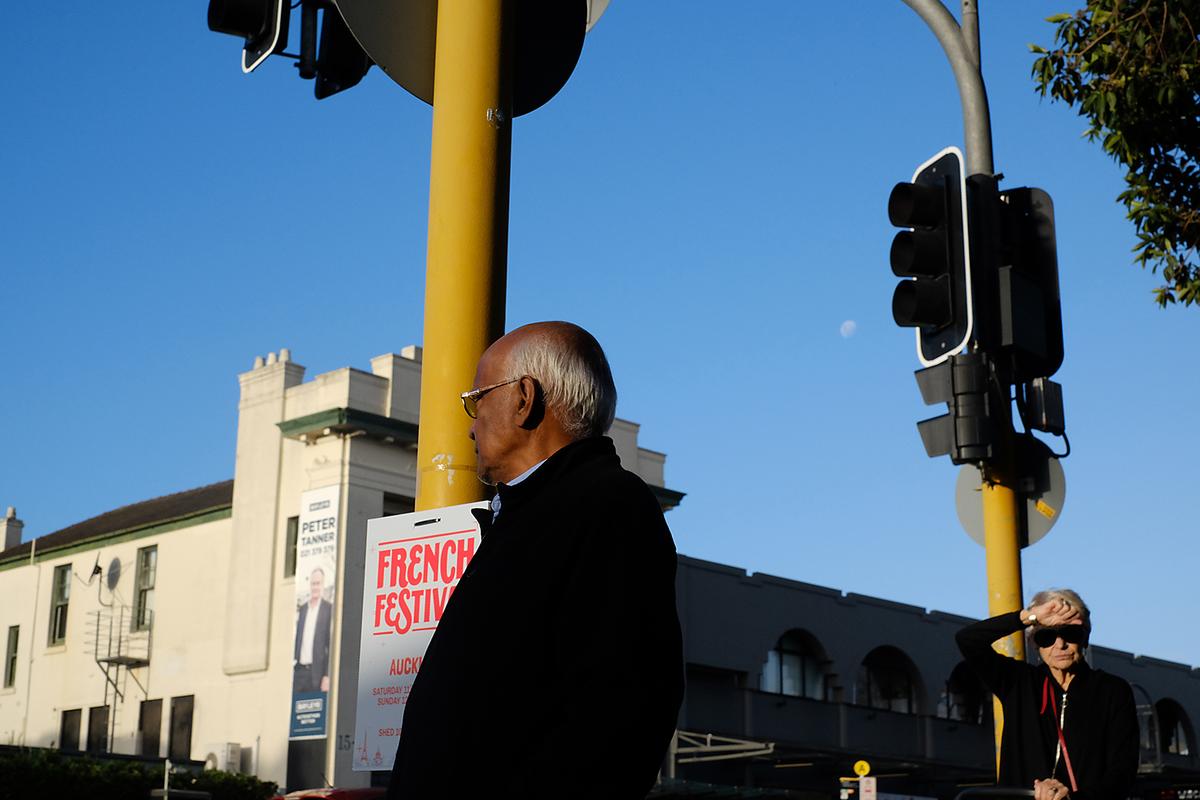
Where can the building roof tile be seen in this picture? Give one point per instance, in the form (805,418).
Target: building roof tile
(131,517)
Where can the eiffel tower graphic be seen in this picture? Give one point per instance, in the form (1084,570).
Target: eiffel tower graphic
(362,751)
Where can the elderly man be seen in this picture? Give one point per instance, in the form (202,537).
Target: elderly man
(556,670)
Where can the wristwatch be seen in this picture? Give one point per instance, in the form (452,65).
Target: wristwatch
(1032,620)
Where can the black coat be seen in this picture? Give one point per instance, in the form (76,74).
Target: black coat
(1101,728)
(320,654)
(556,669)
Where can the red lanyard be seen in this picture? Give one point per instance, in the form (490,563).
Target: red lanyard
(1048,697)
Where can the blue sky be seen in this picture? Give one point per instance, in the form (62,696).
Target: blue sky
(707,195)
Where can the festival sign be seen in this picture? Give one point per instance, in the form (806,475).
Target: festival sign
(316,573)
(413,563)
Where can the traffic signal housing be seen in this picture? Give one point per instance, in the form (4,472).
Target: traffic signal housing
(336,60)
(934,254)
(1029,307)
(341,63)
(968,432)
(262,23)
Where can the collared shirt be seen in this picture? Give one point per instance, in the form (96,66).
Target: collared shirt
(513,482)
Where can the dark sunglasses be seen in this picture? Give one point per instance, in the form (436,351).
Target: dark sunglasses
(1071,634)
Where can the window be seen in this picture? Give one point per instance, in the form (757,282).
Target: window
(394,504)
(796,667)
(885,681)
(68,732)
(1175,740)
(289,549)
(1174,728)
(150,727)
(60,594)
(97,741)
(963,697)
(179,742)
(143,604)
(10,657)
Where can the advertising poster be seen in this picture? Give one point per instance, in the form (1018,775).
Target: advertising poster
(414,561)
(316,571)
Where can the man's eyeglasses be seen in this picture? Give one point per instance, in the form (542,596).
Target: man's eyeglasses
(470,399)
(1071,634)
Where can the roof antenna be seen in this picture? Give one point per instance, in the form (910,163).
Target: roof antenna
(111,576)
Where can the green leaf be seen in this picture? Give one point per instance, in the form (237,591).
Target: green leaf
(1128,69)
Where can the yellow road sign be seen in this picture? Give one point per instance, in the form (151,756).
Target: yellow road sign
(861,768)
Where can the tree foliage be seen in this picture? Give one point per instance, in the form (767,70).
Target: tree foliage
(1132,69)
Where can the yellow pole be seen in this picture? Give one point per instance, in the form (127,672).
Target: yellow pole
(1001,535)
(466,257)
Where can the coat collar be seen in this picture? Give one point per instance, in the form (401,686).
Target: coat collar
(561,463)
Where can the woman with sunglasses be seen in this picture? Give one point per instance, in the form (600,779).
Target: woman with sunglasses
(1070,731)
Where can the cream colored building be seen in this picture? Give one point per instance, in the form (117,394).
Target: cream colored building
(167,627)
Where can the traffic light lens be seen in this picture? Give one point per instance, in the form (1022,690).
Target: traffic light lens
(922,304)
(245,18)
(919,254)
(912,205)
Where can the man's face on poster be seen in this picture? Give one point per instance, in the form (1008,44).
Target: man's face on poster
(316,584)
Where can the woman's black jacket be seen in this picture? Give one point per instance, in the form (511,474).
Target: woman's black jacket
(1100,729)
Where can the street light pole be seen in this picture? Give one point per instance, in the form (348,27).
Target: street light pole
(466,261)
(961,45)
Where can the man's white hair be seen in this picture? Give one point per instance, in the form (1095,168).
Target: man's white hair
(569,365)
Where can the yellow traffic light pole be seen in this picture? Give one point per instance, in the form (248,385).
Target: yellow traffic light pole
(466,258)
(1002,544)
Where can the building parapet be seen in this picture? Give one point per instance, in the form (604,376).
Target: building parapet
(349,421)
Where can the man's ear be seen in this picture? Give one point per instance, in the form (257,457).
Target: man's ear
(531,406)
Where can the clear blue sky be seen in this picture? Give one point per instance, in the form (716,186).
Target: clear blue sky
(707,195)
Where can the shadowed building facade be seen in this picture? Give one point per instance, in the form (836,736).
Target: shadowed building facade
(826,678)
